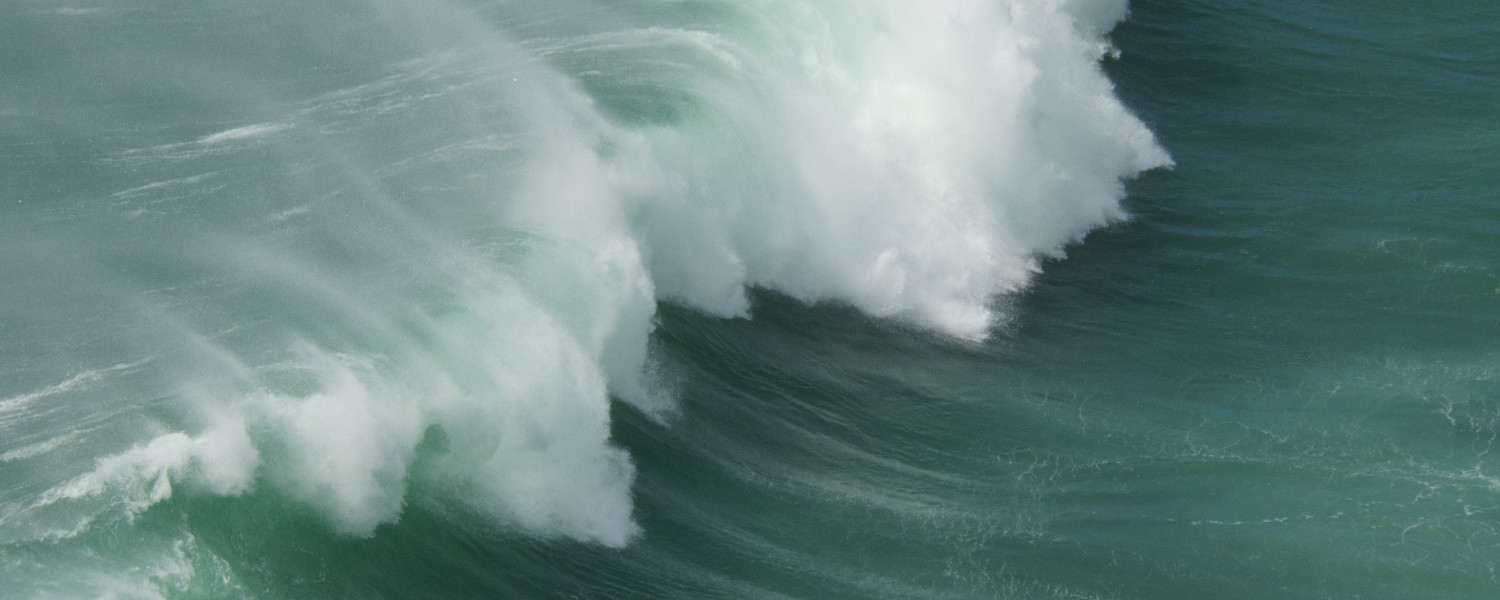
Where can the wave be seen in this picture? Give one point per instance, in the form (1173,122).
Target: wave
(411,255)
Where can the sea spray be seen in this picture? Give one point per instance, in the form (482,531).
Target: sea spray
(426,254)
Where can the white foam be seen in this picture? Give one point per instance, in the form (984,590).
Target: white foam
(258,130)
(38,448)
(77,382)
(221,462)
(72,11)
(158,185)
(143,567)
(348,445)
(529,433)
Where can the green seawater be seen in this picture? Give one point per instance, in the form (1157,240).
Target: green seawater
(329,302)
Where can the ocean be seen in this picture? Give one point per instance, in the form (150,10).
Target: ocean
(749,299)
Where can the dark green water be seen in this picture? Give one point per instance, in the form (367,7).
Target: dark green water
(750,300)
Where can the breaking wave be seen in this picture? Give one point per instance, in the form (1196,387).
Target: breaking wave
(406,252)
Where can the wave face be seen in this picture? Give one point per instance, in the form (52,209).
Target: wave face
(361,256)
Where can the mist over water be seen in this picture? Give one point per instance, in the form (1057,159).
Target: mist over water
(770,299)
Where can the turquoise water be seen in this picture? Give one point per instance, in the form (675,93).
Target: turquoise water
(779,299)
